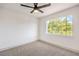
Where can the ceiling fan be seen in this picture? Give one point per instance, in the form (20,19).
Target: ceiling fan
(36,8)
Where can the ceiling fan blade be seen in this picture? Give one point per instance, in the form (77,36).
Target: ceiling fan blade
(40,10)
(32,11)
(26,6)
(46,5)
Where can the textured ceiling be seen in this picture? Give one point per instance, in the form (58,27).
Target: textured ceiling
(55,7)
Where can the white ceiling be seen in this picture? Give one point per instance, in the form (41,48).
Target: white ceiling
(55,7)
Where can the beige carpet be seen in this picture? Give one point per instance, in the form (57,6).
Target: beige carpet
(37,48)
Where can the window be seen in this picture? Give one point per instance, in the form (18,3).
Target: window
(60,26)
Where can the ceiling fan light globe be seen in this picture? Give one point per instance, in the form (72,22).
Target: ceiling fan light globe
(36,11)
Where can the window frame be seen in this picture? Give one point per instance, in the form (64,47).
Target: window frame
(47,22)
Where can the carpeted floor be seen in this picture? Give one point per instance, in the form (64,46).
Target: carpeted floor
(37,48)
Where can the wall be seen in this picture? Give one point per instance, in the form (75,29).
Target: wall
(68,42)
(16,28)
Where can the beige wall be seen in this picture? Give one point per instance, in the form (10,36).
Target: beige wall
(16,28)
(69,42)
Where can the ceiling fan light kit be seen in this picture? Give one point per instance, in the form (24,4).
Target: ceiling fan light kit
(36,8)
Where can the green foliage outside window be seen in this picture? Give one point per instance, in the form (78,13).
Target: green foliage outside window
(60,26)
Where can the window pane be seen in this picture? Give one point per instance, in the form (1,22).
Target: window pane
(69,25)
(60,26)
